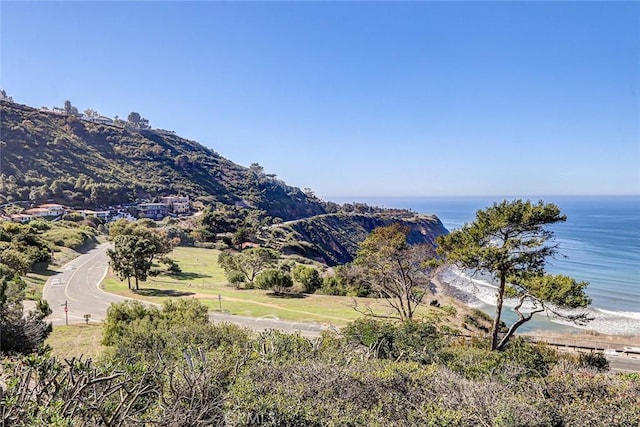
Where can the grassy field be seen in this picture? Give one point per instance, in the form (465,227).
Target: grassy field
(76,340)
(202,278)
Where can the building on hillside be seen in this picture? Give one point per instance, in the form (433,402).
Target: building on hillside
(102,120)
(36,212)
(103,215)
(54,209)
(177,204)
(22,218)
(46,210)
(155,211)
(246,245)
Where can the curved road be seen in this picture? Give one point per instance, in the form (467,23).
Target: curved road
(78,283)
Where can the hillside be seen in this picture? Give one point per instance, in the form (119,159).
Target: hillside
(45,156)
(333,238)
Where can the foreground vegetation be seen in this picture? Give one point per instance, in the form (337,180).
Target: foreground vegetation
(171,367)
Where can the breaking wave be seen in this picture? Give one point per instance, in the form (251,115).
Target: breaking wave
(479,291)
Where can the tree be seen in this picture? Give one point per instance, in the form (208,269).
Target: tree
(135,247)
(4,96)
(70,109)
(396,271)
(256,169)
(137,121)
(249,262)
(120,259)
(240,236)
(132,256)
(92,114)
(511,242)
(144,228)
(20,333)
(274,279)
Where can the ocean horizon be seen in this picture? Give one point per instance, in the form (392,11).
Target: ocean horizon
(599,243)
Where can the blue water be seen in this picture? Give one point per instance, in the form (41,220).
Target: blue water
(600,242)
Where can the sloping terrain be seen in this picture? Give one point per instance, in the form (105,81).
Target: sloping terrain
(46,156)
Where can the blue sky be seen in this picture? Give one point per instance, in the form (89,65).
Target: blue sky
(357,99)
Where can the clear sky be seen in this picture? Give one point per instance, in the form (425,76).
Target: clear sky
(357,98)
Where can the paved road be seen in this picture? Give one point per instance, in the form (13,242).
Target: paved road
(78,283)
(624,363)
(309,330)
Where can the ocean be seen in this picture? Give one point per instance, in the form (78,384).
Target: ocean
(599,243)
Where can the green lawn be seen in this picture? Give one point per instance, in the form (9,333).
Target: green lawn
(202,278)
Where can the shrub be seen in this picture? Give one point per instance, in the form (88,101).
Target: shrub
(595,360)
(518,361)
(172,266)
(309,277)
(449,309)
(235,277)
(331,286)
(411,340)
(274,279)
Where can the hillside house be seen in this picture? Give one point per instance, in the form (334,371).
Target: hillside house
(21,218)
(46,210)
(155,211)
(177,204)
(103,215)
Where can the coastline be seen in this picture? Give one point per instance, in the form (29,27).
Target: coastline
(599,243)
(552,331)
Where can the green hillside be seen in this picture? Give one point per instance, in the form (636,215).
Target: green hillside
(55,157)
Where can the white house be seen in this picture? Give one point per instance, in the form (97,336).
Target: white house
(103,215)
(155,211)
(23,218)
(54,209)
(46,210)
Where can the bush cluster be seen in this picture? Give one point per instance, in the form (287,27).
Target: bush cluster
(171,367)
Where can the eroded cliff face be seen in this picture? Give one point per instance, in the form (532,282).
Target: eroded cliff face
(334,238)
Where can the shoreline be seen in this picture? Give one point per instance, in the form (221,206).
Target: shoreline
(555,330)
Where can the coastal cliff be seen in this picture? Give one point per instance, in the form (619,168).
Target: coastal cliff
(334,238)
